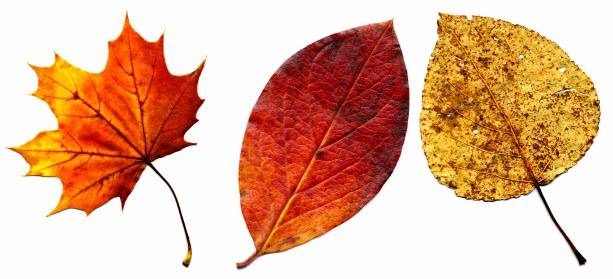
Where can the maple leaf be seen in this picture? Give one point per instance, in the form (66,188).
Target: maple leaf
(323,137)
(505,110)
(112,124)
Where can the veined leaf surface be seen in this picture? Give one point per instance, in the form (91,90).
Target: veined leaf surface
(324,136)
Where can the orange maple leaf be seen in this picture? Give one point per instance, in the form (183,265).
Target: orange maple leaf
(111,124)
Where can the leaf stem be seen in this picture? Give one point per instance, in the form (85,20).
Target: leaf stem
(580,257)
(248,260)
(188,259)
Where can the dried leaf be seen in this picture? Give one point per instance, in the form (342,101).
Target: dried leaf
(505,110)
(323,137)
(111,124)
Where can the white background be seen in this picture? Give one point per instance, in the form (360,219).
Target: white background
(414,228)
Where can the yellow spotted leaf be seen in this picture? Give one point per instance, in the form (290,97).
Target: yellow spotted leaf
(505,109)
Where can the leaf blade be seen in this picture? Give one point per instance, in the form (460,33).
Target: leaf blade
(323,105)
(494,65)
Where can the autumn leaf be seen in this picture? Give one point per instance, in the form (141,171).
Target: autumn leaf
(112,124)
(505,110)
(324,136)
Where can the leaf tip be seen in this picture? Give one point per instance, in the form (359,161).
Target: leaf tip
(126,21)
(123,198)
(161,40)
(390,23)
(60,207)
(202,64)
(127,27)
(56,59)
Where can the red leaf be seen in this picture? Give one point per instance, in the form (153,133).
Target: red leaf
(324,136)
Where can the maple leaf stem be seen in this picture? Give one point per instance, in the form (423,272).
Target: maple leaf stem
(248,260)
(188,259)
(580,257)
